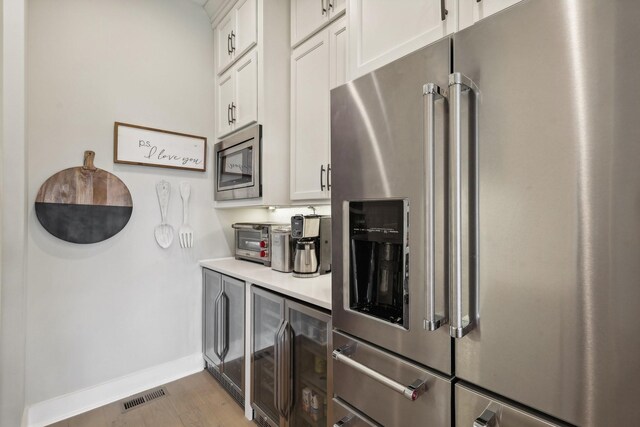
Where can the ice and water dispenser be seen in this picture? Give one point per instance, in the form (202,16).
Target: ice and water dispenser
(378,259)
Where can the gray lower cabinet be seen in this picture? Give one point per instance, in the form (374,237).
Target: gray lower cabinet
(473,408)
(223,331)
(291,356)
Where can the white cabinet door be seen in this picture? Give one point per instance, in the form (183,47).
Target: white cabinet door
(245,34)
(310,118)
(225,98)
(471,11)
(338,53)
(484,8)
(223,35)
(245,104)
(382,31)
(336,7)
(306,17)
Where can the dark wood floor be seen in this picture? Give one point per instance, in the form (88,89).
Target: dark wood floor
(193,401)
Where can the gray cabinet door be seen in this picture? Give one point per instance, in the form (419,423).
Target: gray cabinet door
(268,316)
(558,208)
(312,386)
(212,292)
(234,314)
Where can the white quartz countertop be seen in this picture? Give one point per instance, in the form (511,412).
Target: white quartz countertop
(314,290)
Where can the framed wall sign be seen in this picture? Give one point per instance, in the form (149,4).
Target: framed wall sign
(139,145)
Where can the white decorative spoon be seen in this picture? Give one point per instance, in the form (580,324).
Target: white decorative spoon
(163,232)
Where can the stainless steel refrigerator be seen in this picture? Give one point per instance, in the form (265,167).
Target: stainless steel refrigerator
(486,225)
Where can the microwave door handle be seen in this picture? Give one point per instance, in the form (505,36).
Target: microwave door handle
(460,323)
(431,93)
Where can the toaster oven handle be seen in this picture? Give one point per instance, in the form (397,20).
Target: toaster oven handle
(411,392)
(460,324)
(431,92)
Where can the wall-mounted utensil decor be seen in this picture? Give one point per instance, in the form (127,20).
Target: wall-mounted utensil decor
(139,145)
(163,232)
(185,232)
(83,204)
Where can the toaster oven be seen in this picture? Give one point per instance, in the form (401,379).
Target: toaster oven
(253,241)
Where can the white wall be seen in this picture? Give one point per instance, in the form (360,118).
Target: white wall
(12,212)
(101,311)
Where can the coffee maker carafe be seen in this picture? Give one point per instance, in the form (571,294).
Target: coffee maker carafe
(305,263)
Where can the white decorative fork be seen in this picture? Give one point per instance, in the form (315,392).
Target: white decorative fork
(185,232)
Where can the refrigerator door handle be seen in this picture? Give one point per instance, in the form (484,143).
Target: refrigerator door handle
(489,418)
(411,392)
(216,328)
(431,92)
(460,324)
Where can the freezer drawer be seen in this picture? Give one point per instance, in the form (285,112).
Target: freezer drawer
(476,409)
(346,416)
(397,397)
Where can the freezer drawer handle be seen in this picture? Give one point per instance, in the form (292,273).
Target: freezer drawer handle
(410,392)
(431,92)
(345,421)
(487,419)
(460,324)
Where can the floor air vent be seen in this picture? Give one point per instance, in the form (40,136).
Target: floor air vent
(143,398)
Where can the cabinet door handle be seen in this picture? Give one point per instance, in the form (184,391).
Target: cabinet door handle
(216,326)
(228,44)
(233,41)
(443,10)
(331,4)
(224,303)
(288,341)
(233,112)
(277,367)
(328,176)
(229,114)
(322,171)
(324,9)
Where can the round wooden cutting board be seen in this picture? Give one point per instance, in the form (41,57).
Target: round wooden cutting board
(84,204)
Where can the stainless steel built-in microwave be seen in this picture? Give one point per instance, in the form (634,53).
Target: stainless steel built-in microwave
(237,160)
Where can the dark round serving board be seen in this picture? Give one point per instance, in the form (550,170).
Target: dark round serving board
(84,204)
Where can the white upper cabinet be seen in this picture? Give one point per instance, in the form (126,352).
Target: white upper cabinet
(236,33)
(308,16)
(338,51)
(471,11)
(381,31)
(237,104)
(225,94)
(245,109)
(317,65)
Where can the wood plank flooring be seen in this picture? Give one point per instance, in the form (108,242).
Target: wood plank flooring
(194,401)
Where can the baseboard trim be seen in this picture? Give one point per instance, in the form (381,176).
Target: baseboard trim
(71,404)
